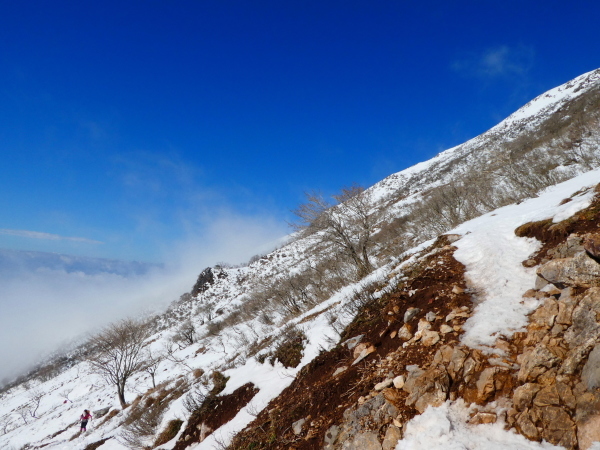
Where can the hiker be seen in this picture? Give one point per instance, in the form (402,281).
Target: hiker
(84,418)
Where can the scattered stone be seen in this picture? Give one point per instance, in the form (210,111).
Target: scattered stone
(410,314)
(399,382)
(430,316)
(353,342)
(384,384)
(547,396)
(297,426)
(540,282)
(429,338)
(526,427)
(405,332)
(483,417)
(529,263)
(445,329)
(366,352)
(393,334)
(486,385)
(339,370)
(457,290)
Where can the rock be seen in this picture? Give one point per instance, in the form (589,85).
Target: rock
(363,441)
(392,436)
(567,397)
(540,282)
(430,316)
(590,374)
(457,290)
(392,395)
(483,417)
(546,314)
(384,384)
(523,395)
(423,325)
(445,329)
(588,432)
(547,396)
(353,342)
(559,429)
(331,435)
(457,361)
(297,426)
(430,338)
(443,355)
(410,314)
(568,249)
(399,382)
(526,426)
(339,370)
(363,354)
(534,362)
(405,332)
(486,385)
(529,263)
(393,334)
(581,270)
(591,244)
(427,387)
(100,412)
(583,319)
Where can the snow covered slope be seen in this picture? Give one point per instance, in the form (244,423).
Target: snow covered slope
(237,333)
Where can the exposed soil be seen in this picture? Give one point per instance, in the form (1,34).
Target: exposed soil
(321,398)
(215,412)
(553,234)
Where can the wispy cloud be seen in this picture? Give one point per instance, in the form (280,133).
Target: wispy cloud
(46,236)
(497,62)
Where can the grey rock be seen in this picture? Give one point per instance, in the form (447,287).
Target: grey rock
(590,374)
(297,426)
(363,441)
(353,342)
(410,314)
(430,316)
(331,435)
(580,270)
(540,282)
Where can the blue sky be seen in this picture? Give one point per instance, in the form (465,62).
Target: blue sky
(131,129)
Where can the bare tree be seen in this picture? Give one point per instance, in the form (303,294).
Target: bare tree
(151,363)
(348,223)
(36,397)
(23,411)
(118,353)
(5,423)
(186,334)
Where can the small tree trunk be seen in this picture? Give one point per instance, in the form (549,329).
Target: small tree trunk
(121,393)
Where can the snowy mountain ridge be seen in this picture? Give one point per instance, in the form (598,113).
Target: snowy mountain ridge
(247,325)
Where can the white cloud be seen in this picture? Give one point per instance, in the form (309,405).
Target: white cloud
(46,236)
(501,61)
(42,309)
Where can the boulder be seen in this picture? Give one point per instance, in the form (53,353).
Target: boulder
(591,244)
(534,362)
(580,270)
(392,436)
(523,395)
(588,432)
(427,388)
(584,324)
(526,426)
(363,441)
(590,375)
(430,338)
(545,315)
(486,384)
(558,428)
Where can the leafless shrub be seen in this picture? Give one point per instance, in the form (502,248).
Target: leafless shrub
(185,334)
(150,364)
(142,424)
(194,399)
(118,353)
(35,397)
(5,424)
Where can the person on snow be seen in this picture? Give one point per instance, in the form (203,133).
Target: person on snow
(84,418)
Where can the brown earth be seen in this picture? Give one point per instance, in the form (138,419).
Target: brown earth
(321,398)
(215,412)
